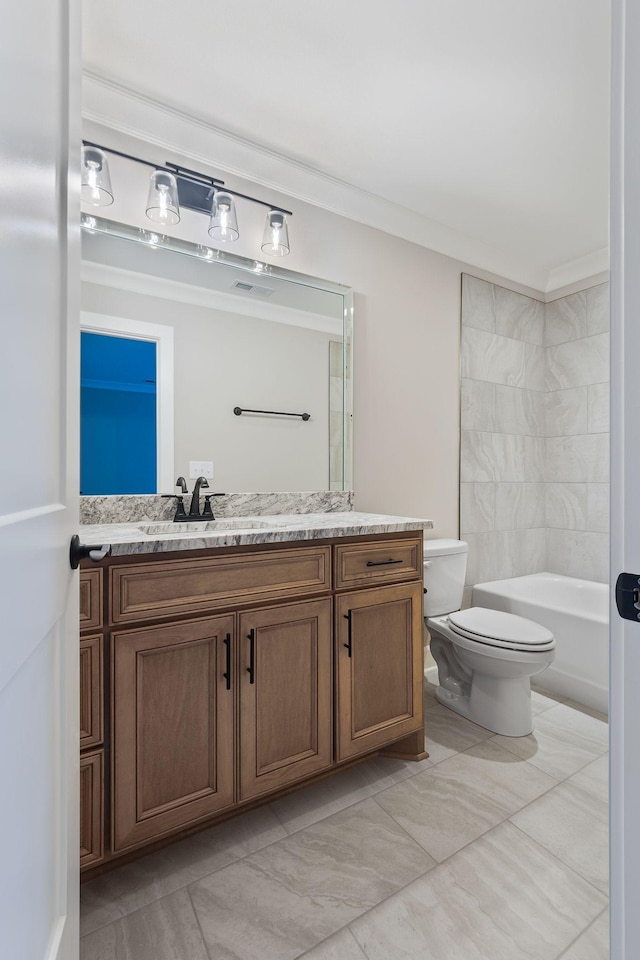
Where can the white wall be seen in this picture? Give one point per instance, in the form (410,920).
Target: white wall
(224,360)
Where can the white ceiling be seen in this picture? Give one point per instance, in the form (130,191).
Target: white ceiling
(487,119)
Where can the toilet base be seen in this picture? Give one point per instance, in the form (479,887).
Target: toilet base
(502,705)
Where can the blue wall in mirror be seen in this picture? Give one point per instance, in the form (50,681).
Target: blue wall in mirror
(118,440)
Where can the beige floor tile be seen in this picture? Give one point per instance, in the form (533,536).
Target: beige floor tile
(136,884)
(563,741)
(285,899)
(573,824)
(447,733)
(165,930)
(594,778)
(461,798)
(593,944)
(319,800)
(342,946)
(501,898)
(541,701)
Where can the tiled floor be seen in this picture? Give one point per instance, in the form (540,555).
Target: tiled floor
(493,848)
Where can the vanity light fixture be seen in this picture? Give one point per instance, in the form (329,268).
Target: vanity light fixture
(162,202)
(95,179)
(172,187)
(223,225)
(275,240)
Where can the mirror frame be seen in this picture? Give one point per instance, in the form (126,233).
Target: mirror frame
(213,255)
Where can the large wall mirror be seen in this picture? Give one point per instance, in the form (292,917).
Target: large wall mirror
(177,339)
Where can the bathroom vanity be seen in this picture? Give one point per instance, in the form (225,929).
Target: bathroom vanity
(220,668)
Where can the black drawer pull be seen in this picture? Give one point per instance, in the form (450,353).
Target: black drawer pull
(381,563)
(251,669)
(227,673)
(347,617)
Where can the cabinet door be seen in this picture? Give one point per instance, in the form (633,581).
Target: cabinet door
(173,710)
(285,695)
(91,808)
(91,712)
(379,667)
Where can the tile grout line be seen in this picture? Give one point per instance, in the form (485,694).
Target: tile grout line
(582,932)
(567,866)
(199,925)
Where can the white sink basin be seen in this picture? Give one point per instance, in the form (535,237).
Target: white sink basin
(205,526)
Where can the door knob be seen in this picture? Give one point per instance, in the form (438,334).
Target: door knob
(83,551)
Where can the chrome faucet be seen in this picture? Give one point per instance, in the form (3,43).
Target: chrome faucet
(194,509)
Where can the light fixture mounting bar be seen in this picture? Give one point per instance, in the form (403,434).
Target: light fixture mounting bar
(201,204)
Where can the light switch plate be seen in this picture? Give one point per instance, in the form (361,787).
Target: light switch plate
(200,468)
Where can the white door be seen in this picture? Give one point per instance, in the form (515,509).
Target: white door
(39,276)
(625,480)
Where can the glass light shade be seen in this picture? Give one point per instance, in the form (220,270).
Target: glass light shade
(162,202)
(95,180)
(223,225)
(275,240)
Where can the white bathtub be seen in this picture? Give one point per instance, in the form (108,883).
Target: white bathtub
(577,613)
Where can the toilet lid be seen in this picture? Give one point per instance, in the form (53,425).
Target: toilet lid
(500,629)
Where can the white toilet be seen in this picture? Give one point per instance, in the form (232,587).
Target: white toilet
(485,657)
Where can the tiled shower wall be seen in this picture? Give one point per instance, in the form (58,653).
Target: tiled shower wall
(577,429)
(534,433)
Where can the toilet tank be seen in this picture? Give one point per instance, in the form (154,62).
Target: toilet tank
(445,565)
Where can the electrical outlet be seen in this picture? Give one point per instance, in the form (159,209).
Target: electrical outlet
(200,468)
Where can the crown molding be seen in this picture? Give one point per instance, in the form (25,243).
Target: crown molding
(137,115)
(166,289)
(593,265)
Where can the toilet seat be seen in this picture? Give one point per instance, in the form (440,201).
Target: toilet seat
(495,628)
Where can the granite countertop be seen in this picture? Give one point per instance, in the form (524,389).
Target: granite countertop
(143,536)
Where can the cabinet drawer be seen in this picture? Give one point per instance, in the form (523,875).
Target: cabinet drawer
(91,808)
(160,589)
(380,561)
(91,722)
(90,599)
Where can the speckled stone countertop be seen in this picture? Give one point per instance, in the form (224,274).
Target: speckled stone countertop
(139,537)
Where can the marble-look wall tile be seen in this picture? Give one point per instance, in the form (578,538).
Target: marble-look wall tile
(518,410)
(505,553)
(598,507)
(478,303)
(501,457)
(519,506)
(578,362)
(477,507)
(566,505)
(598,408)
(566,412)
(477,405)
(566,319)
(518,316)
(495,359)
(577,459)
(578,553)
(598,309)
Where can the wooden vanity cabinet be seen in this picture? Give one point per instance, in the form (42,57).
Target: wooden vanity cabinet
(92,764)
(235,674)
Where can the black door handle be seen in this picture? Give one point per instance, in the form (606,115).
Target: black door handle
(83,551)
(347,617)
(381,563)
(227,673)
(251,669)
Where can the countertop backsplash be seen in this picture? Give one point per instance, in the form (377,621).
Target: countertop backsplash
(151,507)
